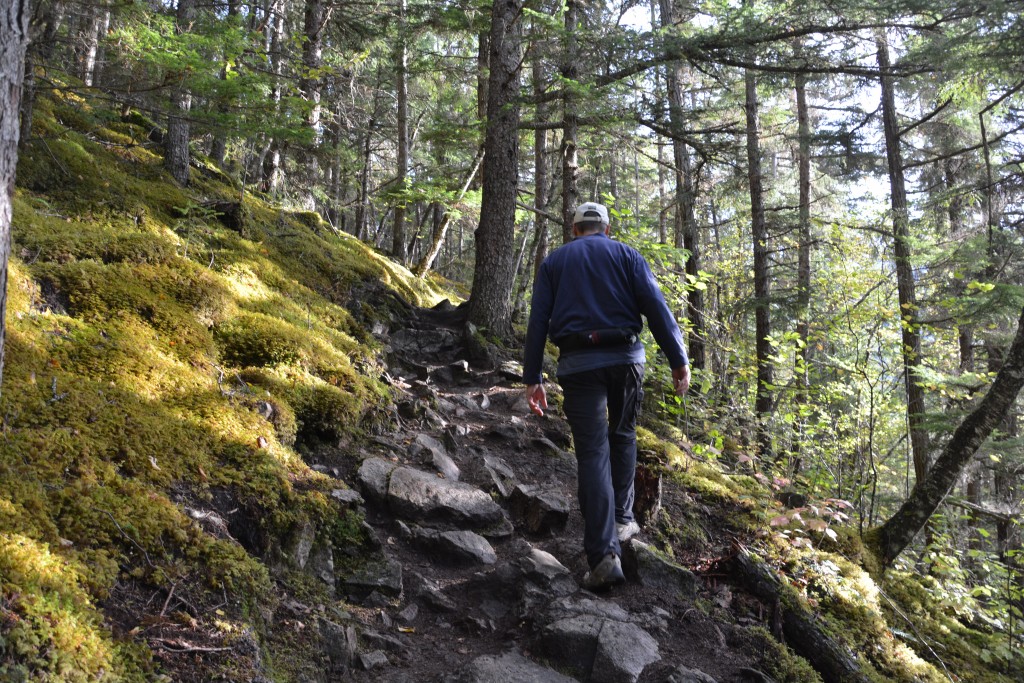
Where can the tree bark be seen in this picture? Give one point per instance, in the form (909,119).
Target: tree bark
(314,20)
(763,401)
(570,122)
(803,270)
(490,296)
(904,269)
(177,156)
(541,171)
(899,530)
(686,235)
(399,251)
(14,21)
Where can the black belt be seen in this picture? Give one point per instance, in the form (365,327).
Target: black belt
(596,339)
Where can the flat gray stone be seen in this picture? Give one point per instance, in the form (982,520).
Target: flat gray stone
(424,497)
(455,547)
(432,451)
(572,607)
(373,660)
(501,474)
(510,667)
(572,643)
(683,675)
(349,497)
(544,570)
(654,569)
(383,576)
(539,510)
(373,477)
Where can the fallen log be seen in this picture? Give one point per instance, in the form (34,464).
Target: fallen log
(803,630)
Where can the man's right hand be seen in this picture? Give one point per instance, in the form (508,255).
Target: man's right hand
(681,379)
(537,398)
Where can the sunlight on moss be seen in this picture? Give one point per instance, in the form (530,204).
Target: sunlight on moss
(156,361)
(51,629)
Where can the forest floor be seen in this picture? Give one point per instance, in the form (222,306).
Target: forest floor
(484,413)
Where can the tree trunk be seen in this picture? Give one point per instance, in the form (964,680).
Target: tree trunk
(177,156)
(14,21)
(898,531)
(904,269)
(686,235)
(94,27)
(541,172)
(803,269)
(759,230)
(398,244)
(490,296)
(570,122)
(314,20)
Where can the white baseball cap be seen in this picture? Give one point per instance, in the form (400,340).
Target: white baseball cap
(590,211)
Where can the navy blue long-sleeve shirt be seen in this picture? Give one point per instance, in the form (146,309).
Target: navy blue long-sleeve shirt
(595,283)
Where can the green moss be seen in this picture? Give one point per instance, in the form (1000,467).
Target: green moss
(258,340)
(51,630)
(156,360)
(777,660)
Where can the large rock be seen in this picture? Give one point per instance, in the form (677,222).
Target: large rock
(424,343)
(539,510)
(382,576)
(339,644)
(455,547)
(510,667)
(374,475)
(596,641)
(654,569)
(424,497)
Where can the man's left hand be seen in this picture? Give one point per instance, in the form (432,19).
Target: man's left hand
(681,379)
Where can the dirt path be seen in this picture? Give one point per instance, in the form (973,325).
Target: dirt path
(447,614)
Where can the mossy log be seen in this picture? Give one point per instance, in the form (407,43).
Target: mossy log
(803,630)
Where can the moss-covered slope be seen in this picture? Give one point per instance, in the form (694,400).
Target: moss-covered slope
(161,365)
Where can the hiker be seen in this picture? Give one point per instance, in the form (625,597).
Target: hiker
(589,296)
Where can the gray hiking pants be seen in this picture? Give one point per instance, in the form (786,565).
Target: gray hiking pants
(601,406)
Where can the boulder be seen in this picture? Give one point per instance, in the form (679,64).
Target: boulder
(383,576)
(424,497)
(339,644)
(373,475)
(500,473)
(598,649)
(683,675)
(539,510)
(650,567)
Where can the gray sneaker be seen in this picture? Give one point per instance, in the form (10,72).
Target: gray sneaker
(606,574)
(627,531)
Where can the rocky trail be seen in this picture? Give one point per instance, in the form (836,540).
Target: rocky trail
(474,574)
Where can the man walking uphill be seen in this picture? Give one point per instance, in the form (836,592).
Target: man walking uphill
(589,297)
